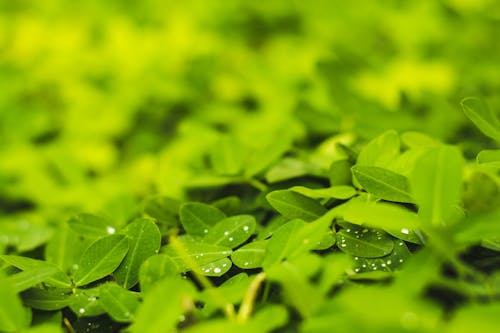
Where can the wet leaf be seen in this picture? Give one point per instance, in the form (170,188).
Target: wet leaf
(295,206)
(232,231)
(364,242)
(250,255)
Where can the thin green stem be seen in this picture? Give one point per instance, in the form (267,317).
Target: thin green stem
(246,307)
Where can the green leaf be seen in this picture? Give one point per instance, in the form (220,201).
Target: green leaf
(262,158)
(364,242)
(47,299)
(86,303)
(382,183)
(100,259)
(198,218)
(436,184)
(90,226)
(29,278)
(489,158)
(118,302)
(388,263)
(144,240)
(282,243)
(201,253)
(341,192)
(381,151)
(216,268)
(295,238)
(13,316)
(167,298)
(250,255)
(294,205)
(156,268)
(232,231)
(65,248)
(484,118)
(164,209)
(58,279)
(383,215)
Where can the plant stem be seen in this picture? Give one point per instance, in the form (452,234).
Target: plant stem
(249,299)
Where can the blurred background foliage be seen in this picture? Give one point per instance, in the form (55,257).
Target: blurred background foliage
(105,102)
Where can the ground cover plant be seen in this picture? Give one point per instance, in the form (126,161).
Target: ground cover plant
(254,167)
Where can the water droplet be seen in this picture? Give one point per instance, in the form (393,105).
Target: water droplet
(110,230)
(365,231)
(405,231)
(207,270)
(400,243)
(389,262)
(245,263)
(74,267)
(364,265)
(205,231)
(348,230)
(92,299)
(374,268)
(226,233)
(224,265)
(246,228)
(356,258)
(230,239)
(182,318)
(217,270)
(201,254)
(383,265)
(356,270)
(343,245)
(82,310)
(400,260)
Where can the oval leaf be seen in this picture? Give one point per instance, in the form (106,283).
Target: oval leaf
(479,113)
(341,192)
(294,205)
(156,268)
(232,231)
(201,253)
(382,183)
(489,158)
(90,226)
(118,302)
(197,218)
(250,255)
(144,241)
(217,268)
(100,259)
(436,184)
(364,242)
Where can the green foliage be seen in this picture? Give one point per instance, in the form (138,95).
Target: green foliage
(249,166)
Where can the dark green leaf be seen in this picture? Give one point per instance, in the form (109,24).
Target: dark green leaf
(47,299)
(364,242)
